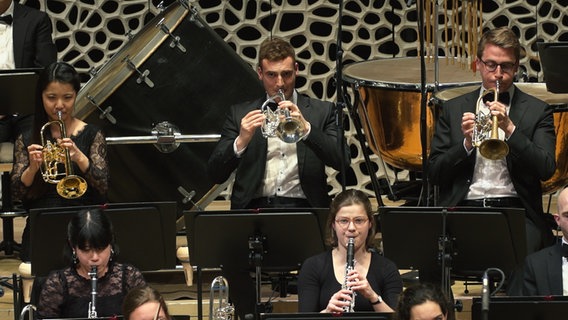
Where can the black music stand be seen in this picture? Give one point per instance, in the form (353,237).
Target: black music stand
(145,234)
(271,239)
(522,308)
(18,91)
(328,316)
(461,241)
(552,57)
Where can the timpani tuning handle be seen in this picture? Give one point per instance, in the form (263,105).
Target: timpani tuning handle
(183,256)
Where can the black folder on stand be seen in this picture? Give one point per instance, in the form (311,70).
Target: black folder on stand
(553,60)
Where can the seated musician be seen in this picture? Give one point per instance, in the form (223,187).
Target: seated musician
(66,293)
(326,284)
(464,176)
(145,303)
(424,302)
(57,89)
(546,271)
(271,173)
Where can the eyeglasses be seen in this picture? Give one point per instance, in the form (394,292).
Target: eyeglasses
(492,66)
(344,222)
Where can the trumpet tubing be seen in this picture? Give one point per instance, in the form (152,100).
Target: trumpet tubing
(486,133)
(278,121)
(219,306)
(55,157)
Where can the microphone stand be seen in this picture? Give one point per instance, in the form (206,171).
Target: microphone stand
(340,98)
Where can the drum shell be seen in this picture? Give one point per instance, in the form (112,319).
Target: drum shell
(390,104)
(192,90)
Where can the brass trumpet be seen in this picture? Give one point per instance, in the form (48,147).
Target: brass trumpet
(486,133)
(278,121)
(69,186)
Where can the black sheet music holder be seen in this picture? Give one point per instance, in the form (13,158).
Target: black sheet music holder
(280,239)
(18,91)
(553,60)
(145,234)
(522,308)
(478,238)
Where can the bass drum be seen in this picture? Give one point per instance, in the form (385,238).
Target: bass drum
(558,101)
(176,69)
(389,104)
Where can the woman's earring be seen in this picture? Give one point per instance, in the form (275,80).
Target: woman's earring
(111,254)
(74,257)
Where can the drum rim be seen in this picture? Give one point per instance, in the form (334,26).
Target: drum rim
(398,85)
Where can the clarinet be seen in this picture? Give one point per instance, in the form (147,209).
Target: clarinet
(350,266)
(92,312)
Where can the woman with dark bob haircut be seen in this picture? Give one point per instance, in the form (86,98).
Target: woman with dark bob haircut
(67,292)
(145,303)
(374,280)
(424,301)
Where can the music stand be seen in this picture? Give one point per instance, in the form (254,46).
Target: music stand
(470,240)
(552,56)
(328,316)
(278,239)
(145,234)
(18,91)
(522,308)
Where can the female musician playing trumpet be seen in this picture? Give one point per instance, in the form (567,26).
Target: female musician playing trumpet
(85,144)
(374,282)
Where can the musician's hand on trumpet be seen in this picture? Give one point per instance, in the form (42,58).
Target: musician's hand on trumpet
(75,154)
(504,122)
(468,122)
(249,124)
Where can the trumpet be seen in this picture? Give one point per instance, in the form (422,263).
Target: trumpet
(278,121)
(219,306)
(69,186)
(486,133)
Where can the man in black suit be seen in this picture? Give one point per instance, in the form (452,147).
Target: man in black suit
(546,271)
(467,178)
(270,172)
(26,42)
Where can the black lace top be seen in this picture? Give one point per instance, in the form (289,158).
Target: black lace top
(66,294)
(91,142)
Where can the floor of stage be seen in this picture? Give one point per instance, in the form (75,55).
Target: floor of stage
(182,300)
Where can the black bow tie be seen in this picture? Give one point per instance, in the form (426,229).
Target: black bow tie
(565,250)
(7,19)
(504,97)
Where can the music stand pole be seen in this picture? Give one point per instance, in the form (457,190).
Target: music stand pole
(339,96)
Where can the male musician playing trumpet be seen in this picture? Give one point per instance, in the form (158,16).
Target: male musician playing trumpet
(464,176)
(271,173)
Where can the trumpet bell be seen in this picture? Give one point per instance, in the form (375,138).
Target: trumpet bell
(71,187)
(290,130)
(494,149)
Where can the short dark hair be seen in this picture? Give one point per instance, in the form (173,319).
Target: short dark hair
(418,294)
(139,296)
(275,49)
(90,228)
(502,37)
(347,198)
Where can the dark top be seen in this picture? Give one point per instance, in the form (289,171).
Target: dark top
(66,294)
(91,142)
(33,45)
(317,283)
(319,149)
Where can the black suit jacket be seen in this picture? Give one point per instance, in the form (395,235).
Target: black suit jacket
(33,45)
(319,149)
(542,274)
(531,157)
